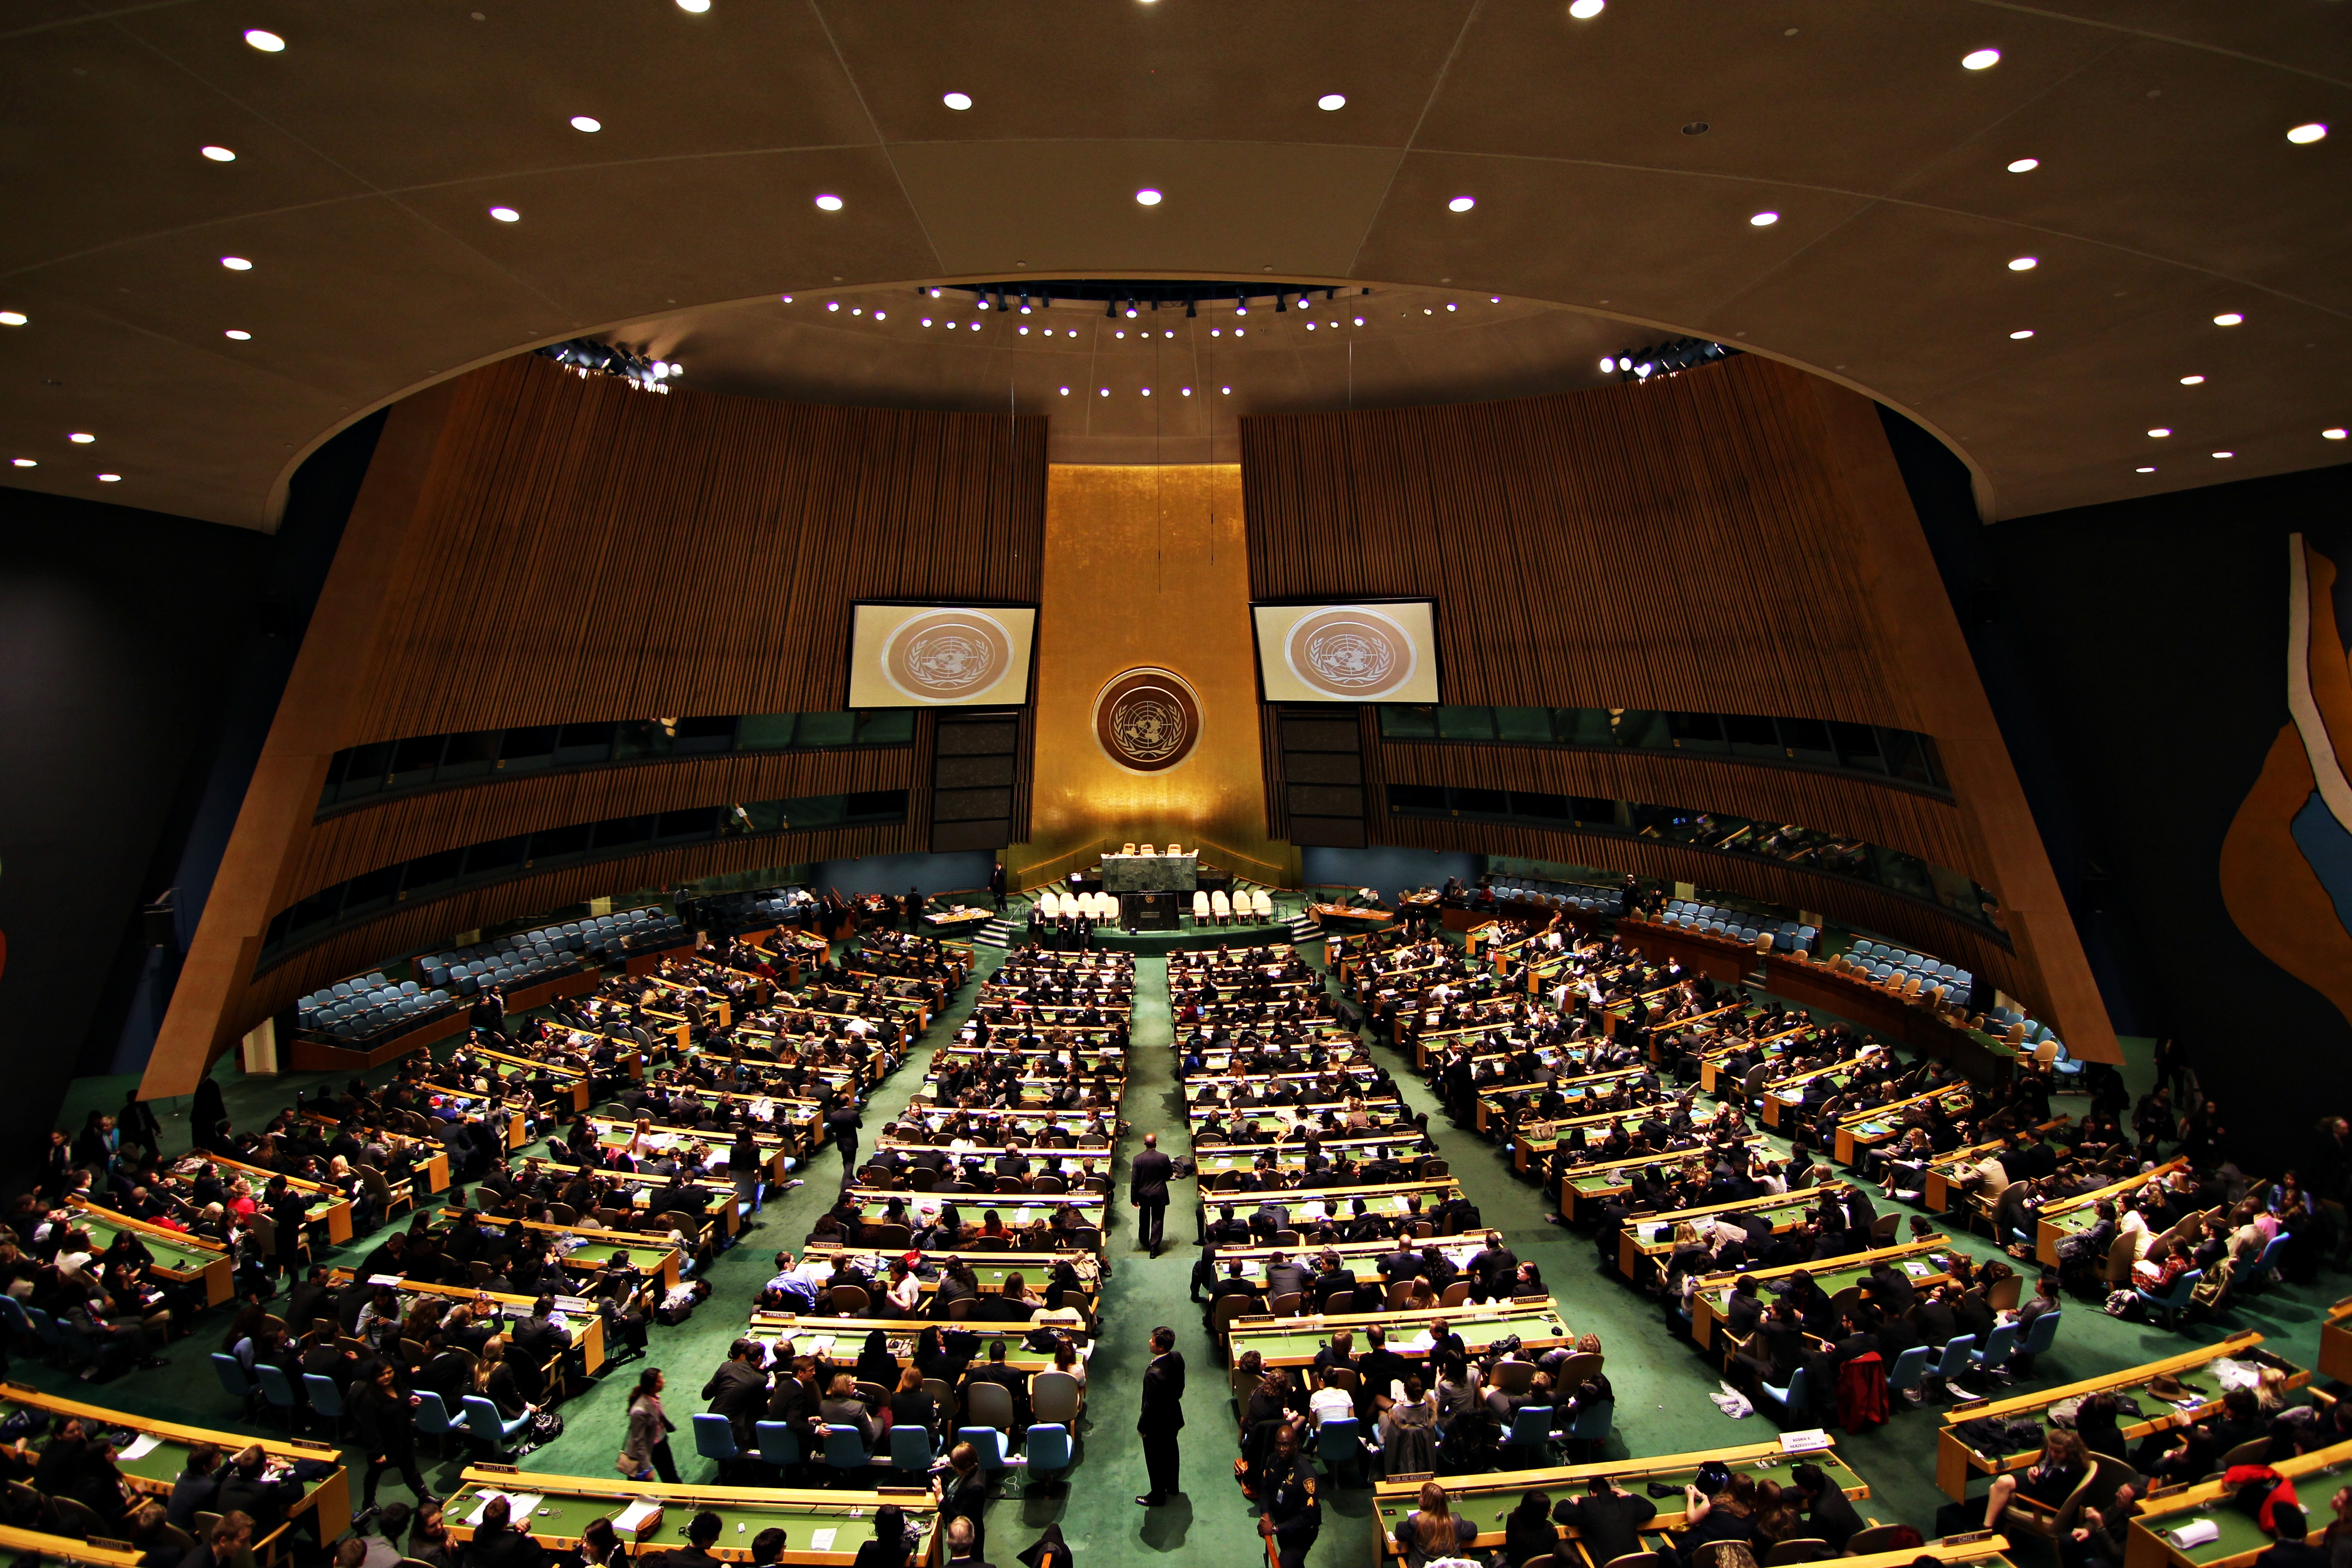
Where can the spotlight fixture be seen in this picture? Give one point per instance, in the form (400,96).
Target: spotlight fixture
(588,357)
(218,155)
(587,124)
(2024,165)
(267,42)
(81,437)
(109,478)
(506,214)
(2160,432)
(13,317)
(1607,365)
(237,335)
(1461,204)
(2333,433)
(2229,319)
(1668,358)
(2023,263)
(959,101)
(2192,380)
(25,462)
(1585,10)
(2305,135)
(1764,219)
(2225,454)
(1332,101)
(1980,60)
(2147,470)
(828,203)
(2021,334)
(1147,197)
(237,264)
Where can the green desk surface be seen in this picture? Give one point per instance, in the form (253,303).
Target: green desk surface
(1833,1279)
(1090,1209)
(2070,1220)
(1654,1233)
(1534,1323)
(1488,1507)
(178,1254)
(159,1465)
(2240,1533)
(1596,1181)
(802,1523)
(1033,1268)
(1293,1157)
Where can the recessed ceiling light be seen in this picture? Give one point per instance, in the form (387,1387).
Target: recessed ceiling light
(1763,220)
(1494,299)
(13,317)
(1450,305)
(1226,390)
(881,315)
(239,334)
(2147,470)
(2159,432)
(1147,197)
(927,320)
(1330,100)
(2192,380)
(959,101)
(1106,392)
(1461,204)
(2305,135)
(1585,10)
(1066,392)
(109,478)
(1980,60)
(833,304)
(2020,335)
(829,203)
(787,299)
(80,437)
(1024,332)
(219,154)
(25,462)
(587,122)
(1188,391)
(696,6)
(1359,320)
(2024,165)
(267,43)
(2335,434)
(237,264)
(2225,454)
(1695,128)
(2023,263)
(2228,319)
(1146,392)
(506,214)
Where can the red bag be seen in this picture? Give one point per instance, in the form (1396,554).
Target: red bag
(1862,1393)
(2256,1489)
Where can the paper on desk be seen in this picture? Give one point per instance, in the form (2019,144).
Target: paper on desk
(821,1541)
(142,1446)
(635,1516)
(520,1505)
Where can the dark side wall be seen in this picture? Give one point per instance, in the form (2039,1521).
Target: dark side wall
(2135,654)
(141,659)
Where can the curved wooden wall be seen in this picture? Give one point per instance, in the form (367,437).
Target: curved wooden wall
(1732,540)
(532,547)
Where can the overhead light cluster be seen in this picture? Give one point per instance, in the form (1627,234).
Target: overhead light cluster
(589,357)
(1665,359)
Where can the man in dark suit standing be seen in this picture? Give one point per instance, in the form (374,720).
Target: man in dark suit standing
(1161,1416)
(1148,1190)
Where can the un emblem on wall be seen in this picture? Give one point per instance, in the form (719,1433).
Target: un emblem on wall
(945,656)
(1147,721)
(1354,654)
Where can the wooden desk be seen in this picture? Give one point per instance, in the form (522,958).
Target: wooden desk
(1488,1500)
(182,1258)
(329,1498)
(32,1546)
(839,1340)
(2336,1343)
(1584,1188)
(988,1268)
(600,1245)
(1832,1275)
(560,1071)
(1943,1178)
(585,1331)
(2058,1221)
(1956,1463)
(1856,1134)
(1294,1342)
(614,1132)
(1652,1240)
(843,1520)
(2315,1475)
(327,1204)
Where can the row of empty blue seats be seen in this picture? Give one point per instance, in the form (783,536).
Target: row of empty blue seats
(1555,895)
(753,910)
(1887,960)
(356,1009)
(1739,925)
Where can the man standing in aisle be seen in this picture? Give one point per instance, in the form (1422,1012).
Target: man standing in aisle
(1148,1190)
(1161,1417)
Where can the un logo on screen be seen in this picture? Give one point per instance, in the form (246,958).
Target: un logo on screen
(1354,654)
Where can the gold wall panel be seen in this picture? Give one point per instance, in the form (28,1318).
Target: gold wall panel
(1147,568)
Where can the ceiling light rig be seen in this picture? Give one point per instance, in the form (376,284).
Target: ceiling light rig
(1669,358)
(588,357)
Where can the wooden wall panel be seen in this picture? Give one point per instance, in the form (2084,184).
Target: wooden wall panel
(1901,819)
(1682,544)
(1872,908)
(533,547)
(596,553)
(399,829)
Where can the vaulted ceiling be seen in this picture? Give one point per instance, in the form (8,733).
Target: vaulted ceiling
(370,151)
